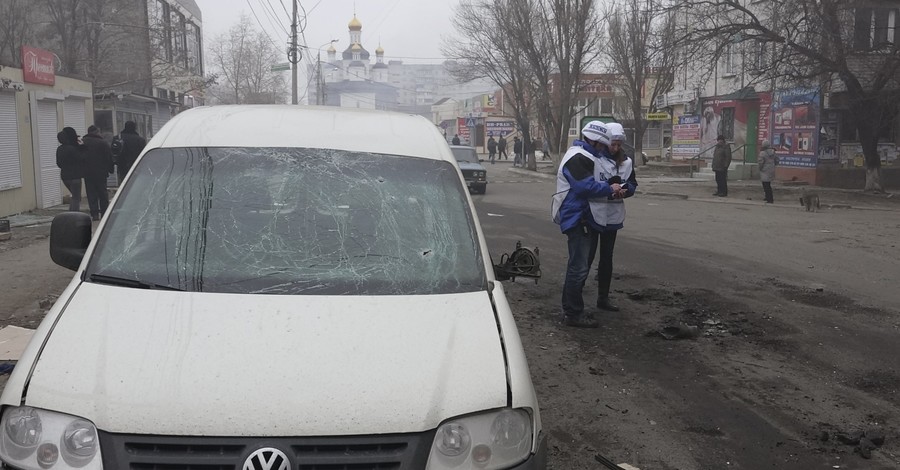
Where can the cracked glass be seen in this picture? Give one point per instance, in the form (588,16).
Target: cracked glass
(293,221)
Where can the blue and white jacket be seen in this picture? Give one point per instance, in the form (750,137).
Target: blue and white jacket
(576,184)
(608,213)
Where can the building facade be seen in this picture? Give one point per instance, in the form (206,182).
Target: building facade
(352,79)
(747,96)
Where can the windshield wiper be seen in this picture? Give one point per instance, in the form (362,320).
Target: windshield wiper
(126,282)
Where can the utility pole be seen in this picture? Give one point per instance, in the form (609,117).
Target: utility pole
(319,80)
(294,55)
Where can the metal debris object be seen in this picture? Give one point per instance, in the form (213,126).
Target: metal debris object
(523,262)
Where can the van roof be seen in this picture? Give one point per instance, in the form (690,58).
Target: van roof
(355,130)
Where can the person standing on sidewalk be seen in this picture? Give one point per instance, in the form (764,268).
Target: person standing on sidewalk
(70,161)
(576,185)
(517,151)
(608,213)
(501,148)
(132,146)
(767,161)
(98,167)
(492,148)
(720,163)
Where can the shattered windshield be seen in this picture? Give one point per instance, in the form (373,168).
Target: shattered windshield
(292,221)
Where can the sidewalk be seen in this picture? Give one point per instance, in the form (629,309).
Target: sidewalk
(653,182)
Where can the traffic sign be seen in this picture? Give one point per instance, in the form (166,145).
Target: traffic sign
(281,67)
(470,122)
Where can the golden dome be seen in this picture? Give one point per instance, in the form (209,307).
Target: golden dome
(331,48)
(356,47)
(379,51)
(354,25)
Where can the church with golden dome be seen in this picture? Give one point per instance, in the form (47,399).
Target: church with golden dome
(351,79)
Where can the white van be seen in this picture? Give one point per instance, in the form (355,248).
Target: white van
(274,288)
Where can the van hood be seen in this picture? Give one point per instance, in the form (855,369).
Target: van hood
(470,166)
(205,364)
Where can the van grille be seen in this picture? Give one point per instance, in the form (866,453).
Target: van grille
(376,452)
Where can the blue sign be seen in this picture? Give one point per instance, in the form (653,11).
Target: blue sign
(470,122)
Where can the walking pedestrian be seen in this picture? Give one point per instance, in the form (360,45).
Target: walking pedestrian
(721,162)
(517,151)
(492,148)
(501,148)
(132,146)
(546,149)
(70,161)
(455,139)
(608,214)
(767,162)
(98,166)
(576,186)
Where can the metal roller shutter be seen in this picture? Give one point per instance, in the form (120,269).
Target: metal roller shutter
(73,115)
(51,185)
(10,165)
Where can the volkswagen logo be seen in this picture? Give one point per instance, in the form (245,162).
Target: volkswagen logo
(267,458)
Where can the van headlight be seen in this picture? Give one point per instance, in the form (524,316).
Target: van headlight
(35,439)
(493,440)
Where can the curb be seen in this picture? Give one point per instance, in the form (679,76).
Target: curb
(672,195)
(538,174)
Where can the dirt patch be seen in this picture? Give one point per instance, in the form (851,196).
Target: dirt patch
(25,236)
(882,383)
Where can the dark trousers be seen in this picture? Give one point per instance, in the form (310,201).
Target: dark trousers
(74,187)
(607,244)
(767,190)
(722,182)
(502,153)
(492,153)
(582,246)
(98,198)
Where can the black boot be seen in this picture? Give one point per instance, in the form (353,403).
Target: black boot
(581,321)
(603,303)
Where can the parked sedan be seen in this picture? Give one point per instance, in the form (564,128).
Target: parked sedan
(474,174)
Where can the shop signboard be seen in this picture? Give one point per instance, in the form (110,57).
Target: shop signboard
(795,127)
(686,137)
(37,66)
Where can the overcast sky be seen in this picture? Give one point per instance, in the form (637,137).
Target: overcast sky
(407,29)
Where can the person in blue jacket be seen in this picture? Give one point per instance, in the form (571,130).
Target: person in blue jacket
(576,185)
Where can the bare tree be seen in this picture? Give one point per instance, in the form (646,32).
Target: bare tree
(835,44)
(490,50)
(243,57)
(642,52)
(560,40)
(15,29)
(66,23)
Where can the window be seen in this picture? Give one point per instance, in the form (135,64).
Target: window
(606,106)
(160,31)
(875,28)
(759,57)
(177,26)
(729,58)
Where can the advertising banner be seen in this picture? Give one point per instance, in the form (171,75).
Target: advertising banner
(686,137)
(723,117)
(795,127)
(499,128)
(463,130)
(37,66)
(765,116)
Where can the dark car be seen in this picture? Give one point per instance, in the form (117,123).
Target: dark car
(472,171)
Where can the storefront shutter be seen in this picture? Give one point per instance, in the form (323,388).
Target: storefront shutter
(73,116)
(51,185)
(10,165)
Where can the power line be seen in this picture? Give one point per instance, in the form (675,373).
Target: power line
(272,16)
(277,46)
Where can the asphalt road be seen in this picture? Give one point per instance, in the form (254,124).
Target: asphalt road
(798,320)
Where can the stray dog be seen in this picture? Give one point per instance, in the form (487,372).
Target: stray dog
(809,200)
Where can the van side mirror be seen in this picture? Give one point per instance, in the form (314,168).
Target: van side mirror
(70,235)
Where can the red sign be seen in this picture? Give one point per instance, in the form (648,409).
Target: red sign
(37,65)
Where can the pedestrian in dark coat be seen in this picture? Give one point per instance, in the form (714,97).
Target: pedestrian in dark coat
(455,140)
(721,162)
(98,167)
(492,148)
(70,161)
(517,151)
(133,145)
(501,148)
